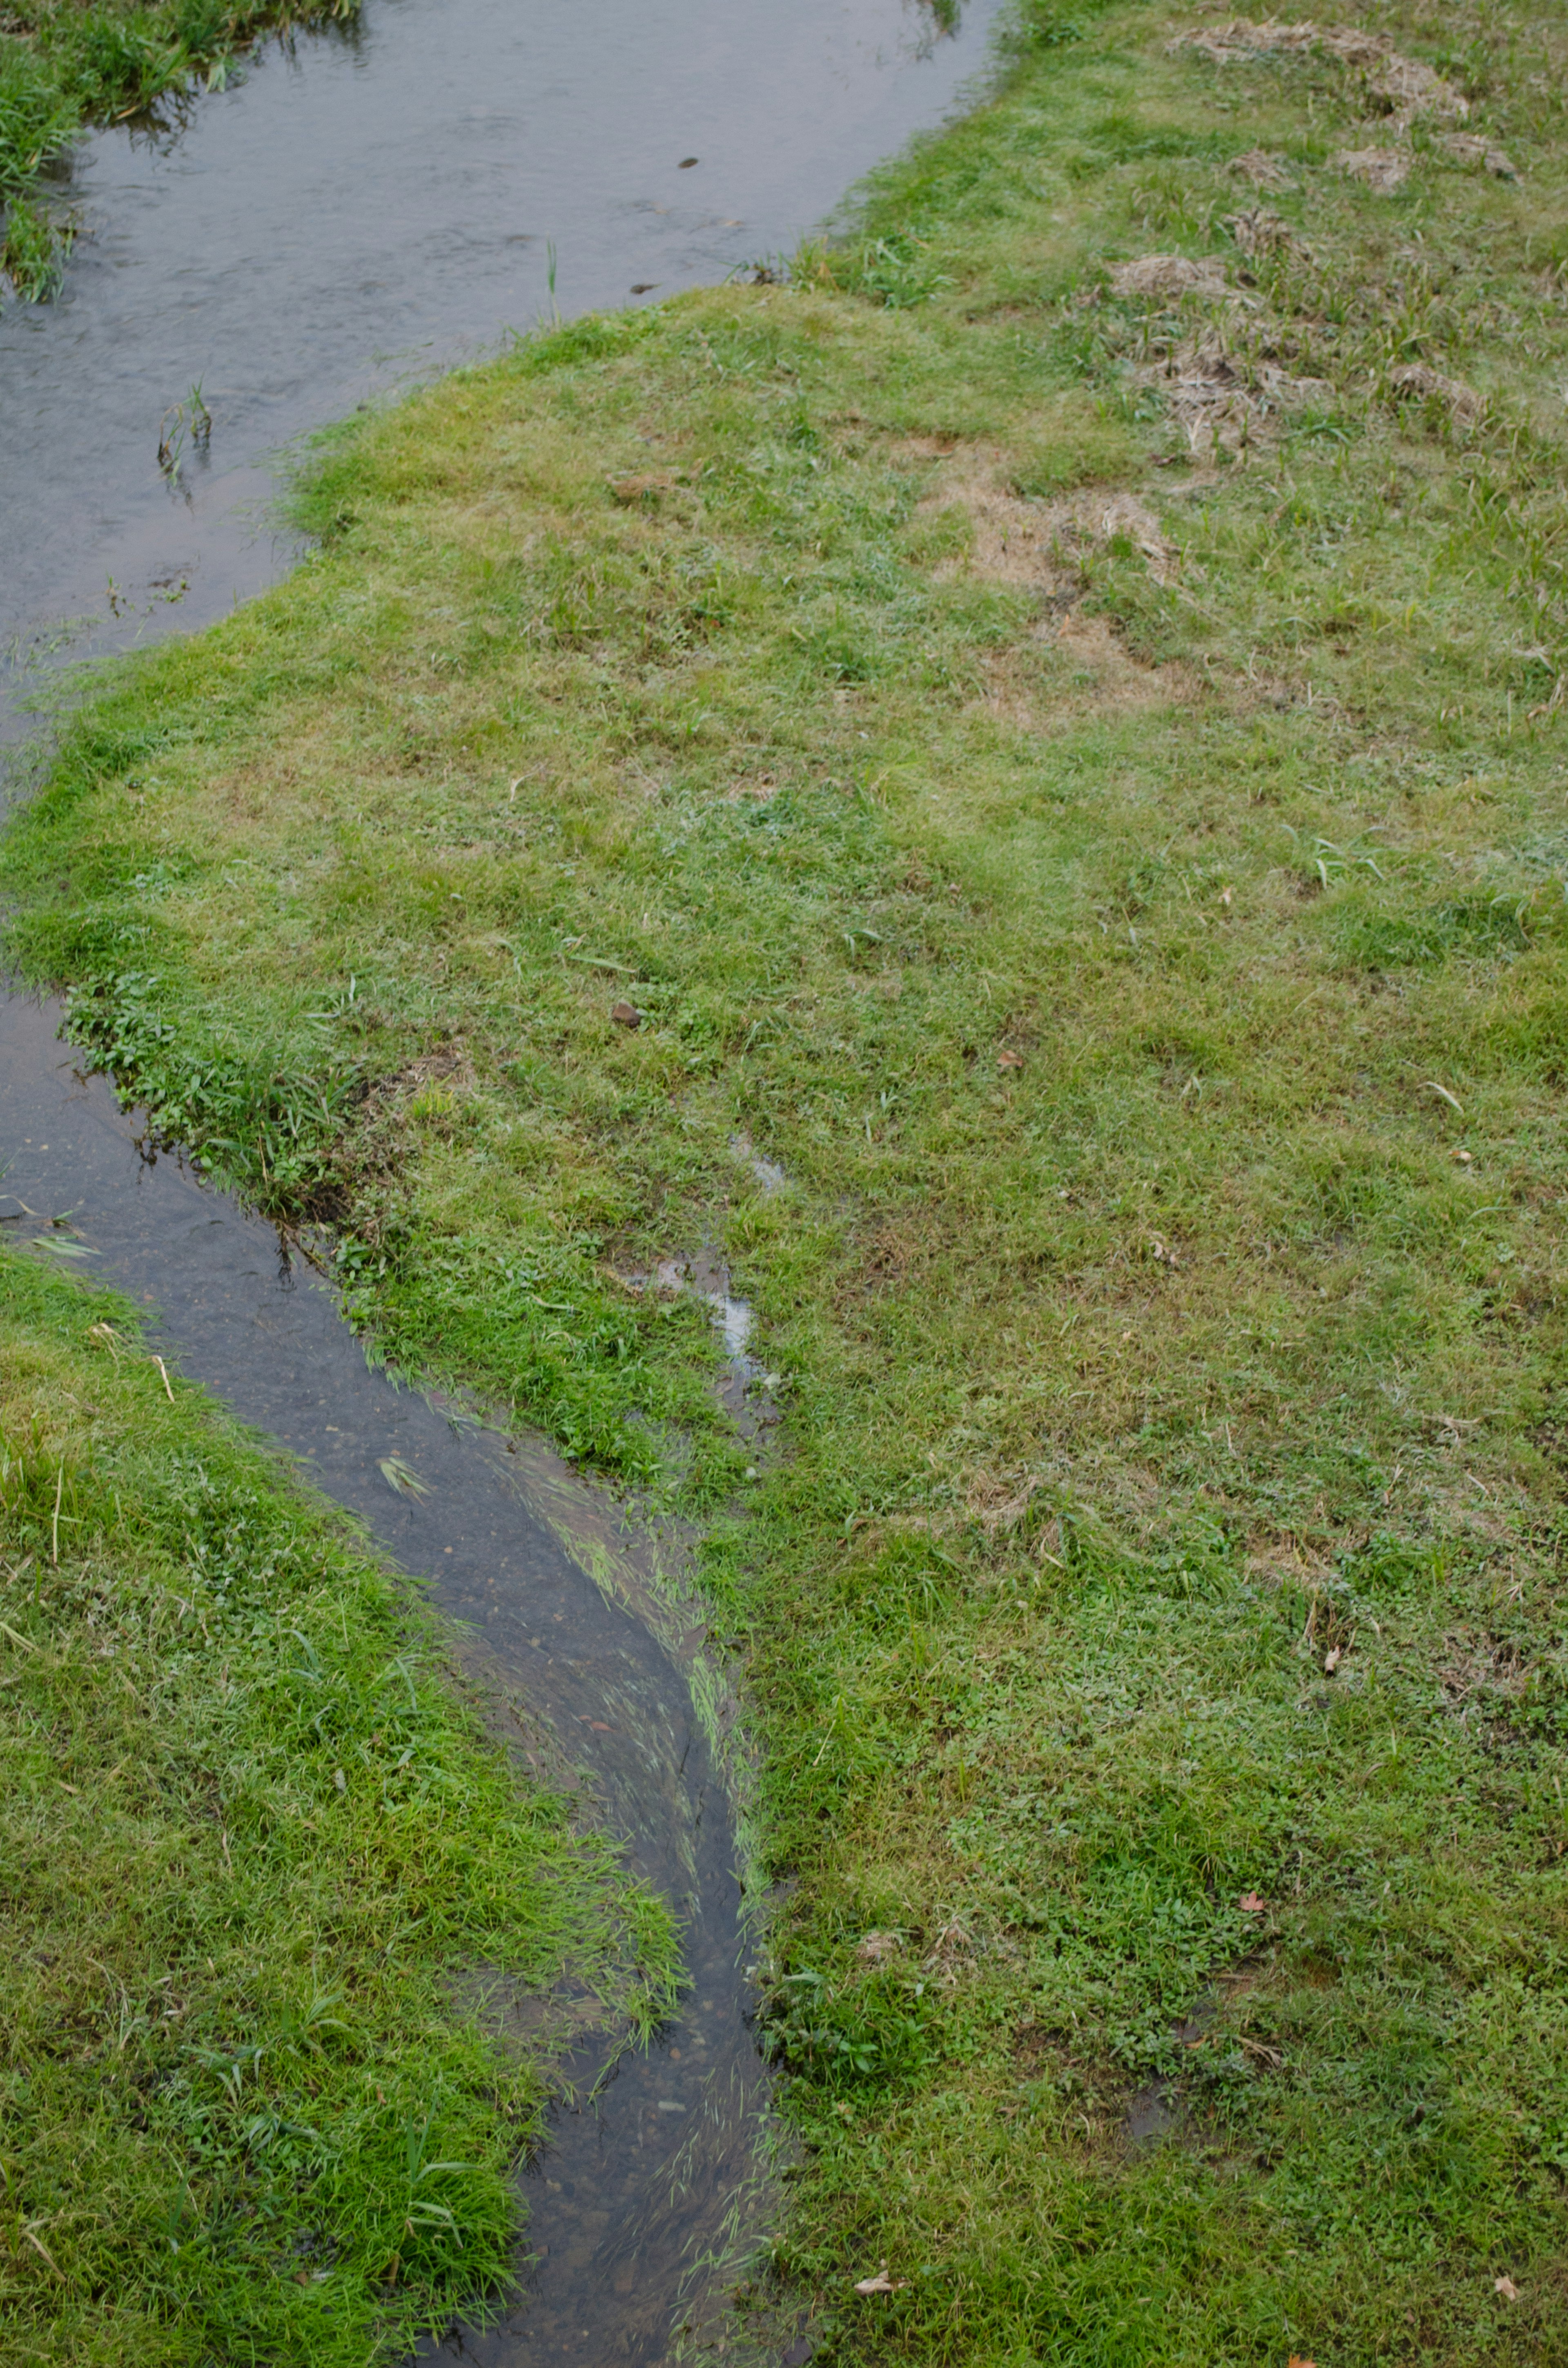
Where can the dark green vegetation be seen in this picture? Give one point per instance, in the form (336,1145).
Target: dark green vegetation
(248,1834)
(64,65)
(1070,764)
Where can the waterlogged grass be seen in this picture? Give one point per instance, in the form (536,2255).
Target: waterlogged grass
(1076,777)
(63,66)
(250,1836)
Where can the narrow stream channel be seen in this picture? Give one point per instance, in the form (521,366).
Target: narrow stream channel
(638,2190)
(359,209)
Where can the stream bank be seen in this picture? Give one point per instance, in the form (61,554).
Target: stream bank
(401,188)
(362,207)
(1044,733)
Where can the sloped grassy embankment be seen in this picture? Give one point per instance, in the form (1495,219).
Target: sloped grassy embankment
(249,1830)
(1052,726)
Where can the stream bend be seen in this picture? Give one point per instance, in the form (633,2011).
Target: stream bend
(639,2200)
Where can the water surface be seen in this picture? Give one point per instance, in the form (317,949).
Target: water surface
(366,206)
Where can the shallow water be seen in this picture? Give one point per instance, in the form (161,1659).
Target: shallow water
(368,206)
(633,2191)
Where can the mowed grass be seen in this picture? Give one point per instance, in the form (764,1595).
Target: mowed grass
(1118,875)
(252,1839)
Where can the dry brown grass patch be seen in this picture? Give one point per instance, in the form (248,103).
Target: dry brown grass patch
(1391,83)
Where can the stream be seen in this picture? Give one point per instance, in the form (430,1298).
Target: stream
(356,210)
(641,2199)
(365,206)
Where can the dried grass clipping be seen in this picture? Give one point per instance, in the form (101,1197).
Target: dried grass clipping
(1385,169)
(1219,402)
(1166,278)
(1466,148)
(1421,385)
(1264,171)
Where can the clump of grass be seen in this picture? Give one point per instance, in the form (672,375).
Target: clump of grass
(250,1834)
(1072,779)
(33,249)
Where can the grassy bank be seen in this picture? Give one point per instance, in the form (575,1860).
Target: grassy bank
(249,1832)
(64,66)
(1051,727)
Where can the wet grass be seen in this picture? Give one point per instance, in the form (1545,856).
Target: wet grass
(1105,840)
(249,1831)
(63,66)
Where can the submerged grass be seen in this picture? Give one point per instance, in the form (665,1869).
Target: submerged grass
(1063,760)
(251,1836)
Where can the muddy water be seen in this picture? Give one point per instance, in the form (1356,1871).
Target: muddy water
(638,2188)
(365,207)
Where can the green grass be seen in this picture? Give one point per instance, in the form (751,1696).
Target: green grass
(1145,948)
(63,66)
(251,1838)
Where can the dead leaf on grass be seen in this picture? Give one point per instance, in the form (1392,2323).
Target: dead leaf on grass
(625,1015)
(1008,1060)
(1251,1905)
(881,2284)
(1506,2288)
